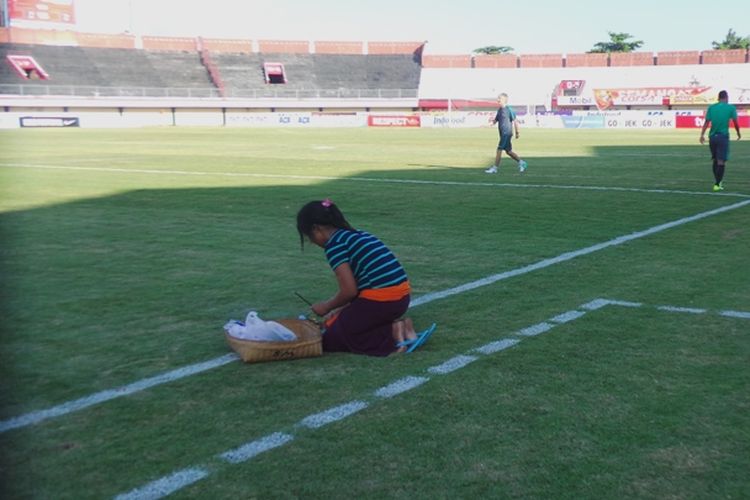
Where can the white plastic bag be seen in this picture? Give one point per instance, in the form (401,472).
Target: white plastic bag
(255,328)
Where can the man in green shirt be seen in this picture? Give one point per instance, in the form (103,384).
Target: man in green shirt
(718,115)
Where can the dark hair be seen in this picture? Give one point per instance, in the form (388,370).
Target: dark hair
(319,213)
(723,95)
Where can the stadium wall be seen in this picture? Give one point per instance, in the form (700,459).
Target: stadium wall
(187,116)
(637,86)
(181,44)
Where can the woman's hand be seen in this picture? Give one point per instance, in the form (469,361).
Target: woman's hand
(321,308)
(347,292)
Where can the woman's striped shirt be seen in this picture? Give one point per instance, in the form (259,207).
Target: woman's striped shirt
(373,264)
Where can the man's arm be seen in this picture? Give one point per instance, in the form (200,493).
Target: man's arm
(737,127)
(515,125)
(703,130)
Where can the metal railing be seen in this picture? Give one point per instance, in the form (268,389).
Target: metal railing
(272,92)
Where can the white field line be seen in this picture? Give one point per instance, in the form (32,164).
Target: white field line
(332,414)
(452,364)
(572,255)
(100,397)
(533,330)
(568,316)
(736,314)
(173,482)
(254,448)
(166,485)
(76,405)
(399,386)
(369,179)
(693,310)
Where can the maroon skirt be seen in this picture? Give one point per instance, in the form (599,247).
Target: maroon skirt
(365,327)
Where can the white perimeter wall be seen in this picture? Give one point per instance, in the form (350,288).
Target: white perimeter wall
(534,86)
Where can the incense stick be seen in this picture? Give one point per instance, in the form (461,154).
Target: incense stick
(303,299)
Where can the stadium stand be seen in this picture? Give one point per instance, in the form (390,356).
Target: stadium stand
(185,63)
(149,66)
(239,71)
(143,68)
(107,68)
(392,72)
(307,72)
(179,69)
(64,65)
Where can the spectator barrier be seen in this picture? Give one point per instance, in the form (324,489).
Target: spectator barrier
(213,117)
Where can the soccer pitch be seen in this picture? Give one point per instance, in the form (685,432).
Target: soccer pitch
(593,316)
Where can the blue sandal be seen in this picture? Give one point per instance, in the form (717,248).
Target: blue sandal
(422,337)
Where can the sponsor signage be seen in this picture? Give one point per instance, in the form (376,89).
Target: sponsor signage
(585,121)
(302,119)
(742,96)
(577,100)
(571,87)
(393,121)
(638,119)
(48,11)
(687,99)
(651,96)
(697,122)
(457,119)
(49,121)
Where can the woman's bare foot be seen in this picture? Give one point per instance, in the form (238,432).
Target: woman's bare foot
(403,330)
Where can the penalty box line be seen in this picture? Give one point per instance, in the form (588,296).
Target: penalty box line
(85,402)
(183,478)
(374,180)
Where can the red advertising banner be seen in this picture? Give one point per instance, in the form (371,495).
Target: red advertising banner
(697,122)
(393,121)
(49,11)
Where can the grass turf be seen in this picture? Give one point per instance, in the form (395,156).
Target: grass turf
(125,251)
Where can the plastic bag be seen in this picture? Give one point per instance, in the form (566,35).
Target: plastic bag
(254,328)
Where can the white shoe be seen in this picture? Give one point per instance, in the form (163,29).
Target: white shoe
(491,170)
(522,166)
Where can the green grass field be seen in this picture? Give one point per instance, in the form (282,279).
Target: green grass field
(124,252)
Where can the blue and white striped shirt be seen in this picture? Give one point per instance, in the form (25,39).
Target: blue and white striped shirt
(373,264)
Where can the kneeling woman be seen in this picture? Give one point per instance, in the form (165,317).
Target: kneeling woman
(363,316)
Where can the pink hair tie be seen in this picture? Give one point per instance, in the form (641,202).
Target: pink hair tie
(326,203)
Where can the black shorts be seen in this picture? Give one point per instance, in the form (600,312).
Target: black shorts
(505,143)
(719,145)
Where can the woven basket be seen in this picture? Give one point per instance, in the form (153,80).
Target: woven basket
(308,344)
